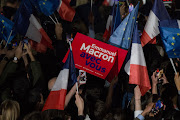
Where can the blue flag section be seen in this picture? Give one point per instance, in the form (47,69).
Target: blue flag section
(21,18)
(69,64)
(169,23)
(113,13)
(123,34)
(6,26)
(47,7)
(171,40)
(116,18)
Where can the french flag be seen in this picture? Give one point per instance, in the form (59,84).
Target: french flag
(151,29)
(27,25)
(136,66)
(37,33)
(107,32)
(109,2)
(66,11)
(109,24)
(56,98)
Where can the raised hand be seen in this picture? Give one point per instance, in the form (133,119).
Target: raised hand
(79,103)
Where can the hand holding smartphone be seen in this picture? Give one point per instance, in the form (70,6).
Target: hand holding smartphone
(159,104)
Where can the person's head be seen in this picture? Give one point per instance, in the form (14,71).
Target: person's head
(34,98)
(51,83)
(119,114)
(79,26)
(168,92)
(33,116)
(20,85)
(109,116)
(54,114)
(12,3)
(10,110)
(10,8)
(99,107)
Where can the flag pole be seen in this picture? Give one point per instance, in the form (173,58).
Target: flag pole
(56,19)
(8,38)
(1,42)
(91,4)
(52,20)
(127,2)
(71,50)
(173,65)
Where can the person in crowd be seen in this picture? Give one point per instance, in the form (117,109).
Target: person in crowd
(28,78)
(10,8)
(10,110)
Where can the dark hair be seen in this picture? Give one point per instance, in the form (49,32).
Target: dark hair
(168,92)
(33,116)
(12,1)
(54,114)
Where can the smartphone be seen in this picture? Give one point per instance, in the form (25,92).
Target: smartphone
(83,77)
(159,104)
(14,45)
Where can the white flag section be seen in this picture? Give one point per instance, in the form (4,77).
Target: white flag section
(136,66)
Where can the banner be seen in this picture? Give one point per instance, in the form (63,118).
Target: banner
(95,57)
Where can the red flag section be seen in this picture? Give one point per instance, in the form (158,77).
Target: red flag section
(36,33)
(66,11)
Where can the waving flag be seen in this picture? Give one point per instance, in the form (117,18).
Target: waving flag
(136,66)
(26,24)
(47,7)
(56,98)
(109,24)
(123,33)
(170,34)
(116,19)
(151,30)
(6,26)
(66,11)
(121,37)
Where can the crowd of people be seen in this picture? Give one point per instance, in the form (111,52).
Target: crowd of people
(27,76)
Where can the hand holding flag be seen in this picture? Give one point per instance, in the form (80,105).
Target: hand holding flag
(56,98)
